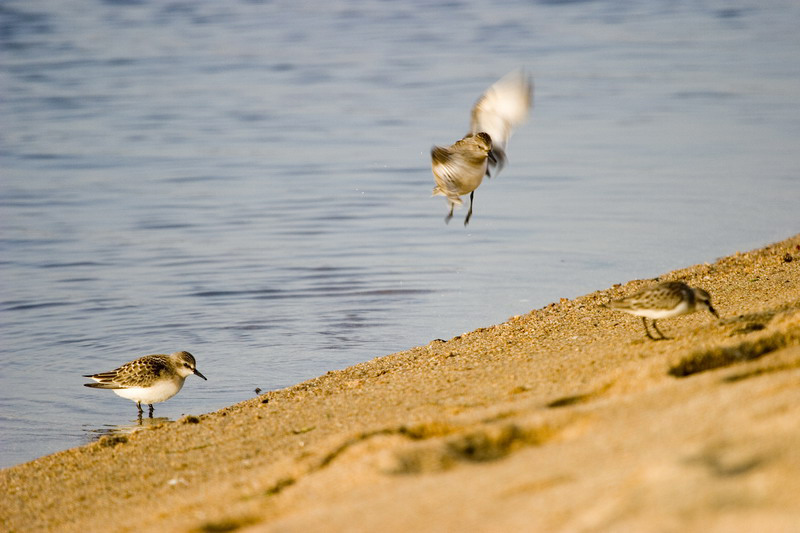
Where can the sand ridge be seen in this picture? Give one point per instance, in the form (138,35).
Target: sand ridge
(563,419)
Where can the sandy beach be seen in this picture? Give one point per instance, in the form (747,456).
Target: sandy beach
(563,419)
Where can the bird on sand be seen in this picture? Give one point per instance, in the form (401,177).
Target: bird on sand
(664,300)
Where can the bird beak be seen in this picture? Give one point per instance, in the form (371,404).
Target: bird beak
(198,374)
(713,311)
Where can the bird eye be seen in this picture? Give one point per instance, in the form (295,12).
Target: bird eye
(187,365)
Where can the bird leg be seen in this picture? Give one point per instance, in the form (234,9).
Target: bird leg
(450,214)
(663,337)
(151,410)
(469,213)
(139,407)
(647,331)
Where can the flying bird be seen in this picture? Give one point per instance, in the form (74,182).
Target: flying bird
(459,168)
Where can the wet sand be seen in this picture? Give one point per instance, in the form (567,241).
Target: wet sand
(563,419)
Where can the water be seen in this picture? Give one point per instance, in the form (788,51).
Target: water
(250,181)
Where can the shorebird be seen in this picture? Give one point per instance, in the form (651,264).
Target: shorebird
(459,168)
(149,379)
(664,300)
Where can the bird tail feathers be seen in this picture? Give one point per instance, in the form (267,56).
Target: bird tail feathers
(438,191)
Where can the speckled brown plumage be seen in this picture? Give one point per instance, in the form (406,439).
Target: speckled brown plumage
(149,379)
(663,300)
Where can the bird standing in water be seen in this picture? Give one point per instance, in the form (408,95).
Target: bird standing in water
(149,379)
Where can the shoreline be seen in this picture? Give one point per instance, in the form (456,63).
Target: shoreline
(563,419)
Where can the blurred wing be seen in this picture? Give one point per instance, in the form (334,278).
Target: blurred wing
(504,106)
